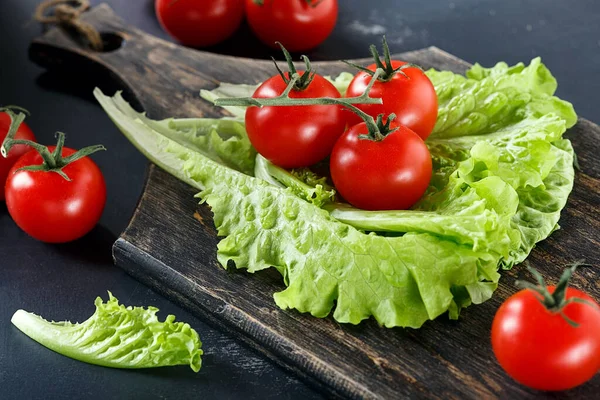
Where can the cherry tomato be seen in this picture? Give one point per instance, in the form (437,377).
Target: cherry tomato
(297,24)
(50,208)
(198,23)
(295,136)
(412,98)
(24,132)
(539,348)
(388,174)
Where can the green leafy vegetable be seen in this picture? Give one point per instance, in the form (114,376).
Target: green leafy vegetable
(230,90)
(502,174)
(303,182)
(117,336)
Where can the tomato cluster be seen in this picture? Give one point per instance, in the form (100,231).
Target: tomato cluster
(377,156)
(298,24)
(55,194)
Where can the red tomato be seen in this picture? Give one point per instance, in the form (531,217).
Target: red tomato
(297,24)
(412,98)
(389,174)
(17,151)
(198,23)
(539,348)
(295,136)
(51,208)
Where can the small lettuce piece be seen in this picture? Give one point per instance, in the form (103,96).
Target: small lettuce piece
(117,336)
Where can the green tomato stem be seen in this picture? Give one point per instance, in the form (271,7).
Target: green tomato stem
(302,82)
(53,162)
(374,129)
(386,65)
(556,301)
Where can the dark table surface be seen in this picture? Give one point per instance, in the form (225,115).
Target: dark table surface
(61,281)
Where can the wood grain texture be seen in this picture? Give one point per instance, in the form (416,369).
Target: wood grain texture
(170,243)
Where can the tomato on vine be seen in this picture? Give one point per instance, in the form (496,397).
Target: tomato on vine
(23,132)
(374,165)
(405,89)
(548,337)
(297,24)
(197,23)
(295,136)
(380,167)
(55,194)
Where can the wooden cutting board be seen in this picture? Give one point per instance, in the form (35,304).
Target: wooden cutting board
(170,243)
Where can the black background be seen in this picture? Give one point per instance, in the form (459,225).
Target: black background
(61,281)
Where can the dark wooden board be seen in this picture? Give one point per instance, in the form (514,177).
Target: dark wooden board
(170,243)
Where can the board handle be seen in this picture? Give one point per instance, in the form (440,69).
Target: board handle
(158,74)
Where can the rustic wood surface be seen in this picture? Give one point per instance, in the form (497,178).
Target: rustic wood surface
(170,243)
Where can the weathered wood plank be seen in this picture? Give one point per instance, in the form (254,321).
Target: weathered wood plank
(170,243)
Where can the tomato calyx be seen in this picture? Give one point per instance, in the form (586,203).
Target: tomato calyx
(52,161)
(304,80)
(380,130)
(555,302)
(386,65)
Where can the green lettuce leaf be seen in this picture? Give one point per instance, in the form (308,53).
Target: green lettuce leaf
(305,183)
(230,90)
(494,98)
(117,336)
(502,174)
(222,140)
(504,121)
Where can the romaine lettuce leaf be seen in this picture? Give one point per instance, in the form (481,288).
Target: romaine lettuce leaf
(230,90)
(117,336)
(303,182)
(502,174)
